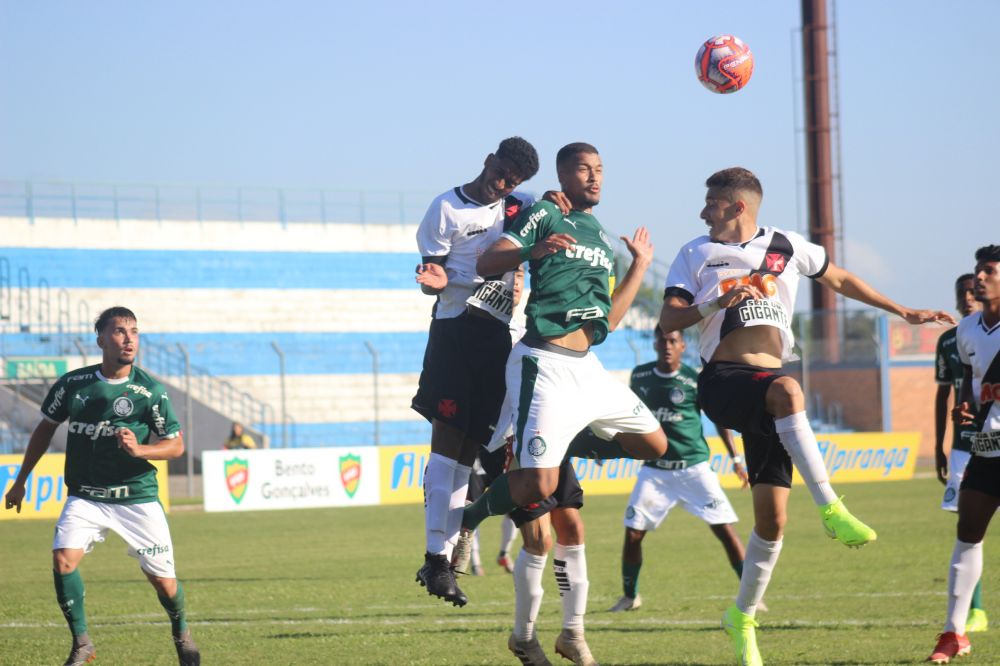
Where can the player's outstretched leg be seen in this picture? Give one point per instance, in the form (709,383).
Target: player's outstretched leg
(528,592)
(70,595)
(840,524)
(439,579)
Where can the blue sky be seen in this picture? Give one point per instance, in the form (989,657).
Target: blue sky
(411,96)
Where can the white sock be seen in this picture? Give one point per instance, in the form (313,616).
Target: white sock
(456,505)
(966,568)
(758,563)
(797,437)
(528,572)
(475,560)
(508,532)
(570,566)
(438,480)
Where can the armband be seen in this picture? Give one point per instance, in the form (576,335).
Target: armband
(524,254)
(709,307)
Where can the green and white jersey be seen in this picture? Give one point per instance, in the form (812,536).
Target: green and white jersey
(948,370)
(673,399)
(96,407)
(571,287)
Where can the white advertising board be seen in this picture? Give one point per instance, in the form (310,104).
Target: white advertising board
(252,480)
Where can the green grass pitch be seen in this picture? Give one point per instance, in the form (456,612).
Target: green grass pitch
(337,587)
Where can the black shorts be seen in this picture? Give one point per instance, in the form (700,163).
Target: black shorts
(733,396)
(462,382)
(568,494)
(982,474)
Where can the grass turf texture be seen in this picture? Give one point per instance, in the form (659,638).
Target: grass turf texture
(336,586)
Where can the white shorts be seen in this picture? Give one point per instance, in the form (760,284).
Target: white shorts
(553,396)
(957,462)
(142,526)
(696,488)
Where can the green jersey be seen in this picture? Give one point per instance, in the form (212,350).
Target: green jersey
(673,399)
(572,287)
(96,468)
(948,370)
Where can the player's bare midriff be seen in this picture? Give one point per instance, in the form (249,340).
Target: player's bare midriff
(578,340)
(754,345)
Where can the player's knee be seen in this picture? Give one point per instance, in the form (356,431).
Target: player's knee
(784,397)
(64,563)
(537,541)
(633,537)
(770,527)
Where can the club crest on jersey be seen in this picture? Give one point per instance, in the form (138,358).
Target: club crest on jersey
(676,396)
(775,262)
(350,473)
(237,471)
(536,446)
(122,406)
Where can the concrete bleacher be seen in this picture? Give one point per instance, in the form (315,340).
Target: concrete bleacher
(327,295)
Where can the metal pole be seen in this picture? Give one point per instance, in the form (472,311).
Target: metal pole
(83,352)
(635,350)
(374,353)
(284,403)
(189,418)
(884,379)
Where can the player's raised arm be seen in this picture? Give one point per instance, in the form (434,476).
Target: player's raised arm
(641,249)
(504,255)
(165,449)
(37,446)
(850,285)
(431,276)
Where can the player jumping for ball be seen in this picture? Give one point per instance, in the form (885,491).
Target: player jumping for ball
(738,284)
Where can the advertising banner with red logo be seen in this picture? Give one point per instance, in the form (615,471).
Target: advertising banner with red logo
(251,480)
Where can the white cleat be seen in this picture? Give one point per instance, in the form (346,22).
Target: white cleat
(627,604)
(573,646)
(461,555)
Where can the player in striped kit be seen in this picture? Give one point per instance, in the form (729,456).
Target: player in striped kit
(978,341)
(738,284)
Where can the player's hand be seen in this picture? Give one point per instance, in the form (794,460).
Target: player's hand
(432,276)
(127,442)
(740,470)
(927,316)
(551,244)
(640,247)
(739,294)
(14,497)
(559,199)
(962,414)
(941,465)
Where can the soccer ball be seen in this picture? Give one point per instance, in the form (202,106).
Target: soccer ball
(724,64)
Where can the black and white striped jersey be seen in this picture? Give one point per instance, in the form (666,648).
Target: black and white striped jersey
(979,347)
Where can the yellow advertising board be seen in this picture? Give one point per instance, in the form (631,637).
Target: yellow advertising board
(401,469)
(45,492)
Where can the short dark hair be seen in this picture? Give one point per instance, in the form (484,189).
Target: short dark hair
(963,277)
(521,154)
(571,150)
(735,178)
(988,253)
(105,317)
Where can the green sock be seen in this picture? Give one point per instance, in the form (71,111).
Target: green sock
(588,445)
(977,595)
(70,594)
(738,568)
(175,610)
(495,501)
(630,579)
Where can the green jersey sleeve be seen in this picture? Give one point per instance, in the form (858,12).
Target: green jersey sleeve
(942,368)
(160,417)
(533,224)
(55,407)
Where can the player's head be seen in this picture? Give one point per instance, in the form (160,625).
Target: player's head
(514,162)
(988,274)
(733,194)
(965,294)
(581,174)
(669,348)
(117,335)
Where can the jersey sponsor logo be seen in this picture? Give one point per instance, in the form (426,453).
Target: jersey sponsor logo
(475,232)
(667,415)
(237,471)
(56,400)
(676,396)
(447,408)
(350,473)
(495,294)
(122,406)
(595,256)
(159,422)
(584,313)
(537,446)
(76,378)
(140,390)
(989,392)
(93,430)
(111,492)
(533,220)
(757,310)
(153,551)
(766,282)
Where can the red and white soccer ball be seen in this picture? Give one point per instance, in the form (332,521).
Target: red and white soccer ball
(724,64)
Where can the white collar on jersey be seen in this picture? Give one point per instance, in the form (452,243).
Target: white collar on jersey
(666,375)
(121,380)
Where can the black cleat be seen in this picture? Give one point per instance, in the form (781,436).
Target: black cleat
(187,651)
(439,579)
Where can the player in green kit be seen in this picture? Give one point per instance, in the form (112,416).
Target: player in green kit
(949,372)
(681,476)
(119,419)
